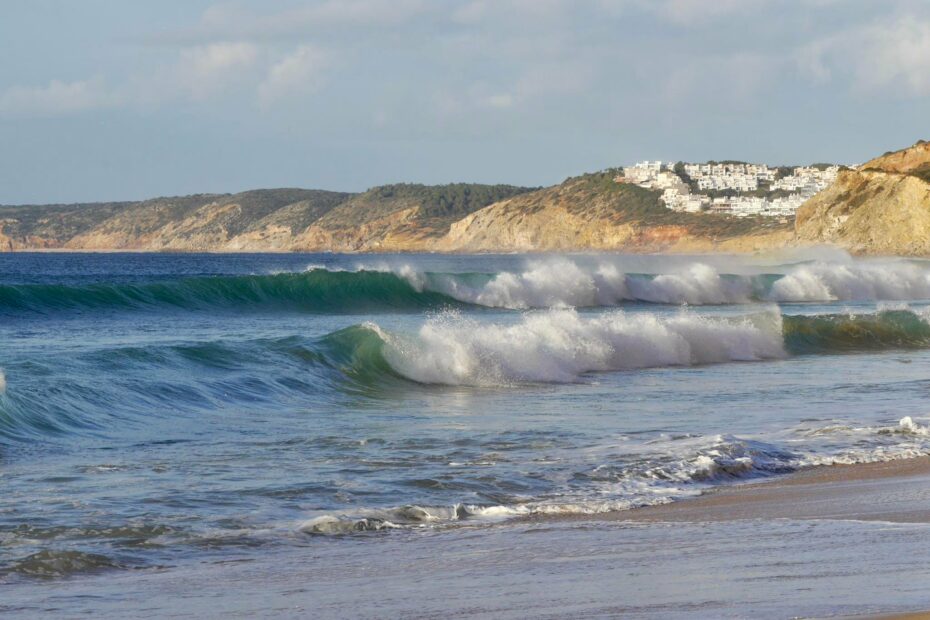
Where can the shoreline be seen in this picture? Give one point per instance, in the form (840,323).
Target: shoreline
(889,491)
(632,251)
(637,251)
(709,559)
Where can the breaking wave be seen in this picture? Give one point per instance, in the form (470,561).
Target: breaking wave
(549,283)
(559,346)
(561,282)
(554,346)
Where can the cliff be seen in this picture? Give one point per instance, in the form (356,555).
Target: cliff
(592,211)
(390,217)
(883,207)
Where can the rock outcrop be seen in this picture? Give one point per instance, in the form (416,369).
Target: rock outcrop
(882,207)
(593,212)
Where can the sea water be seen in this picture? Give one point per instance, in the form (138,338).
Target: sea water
(162,412)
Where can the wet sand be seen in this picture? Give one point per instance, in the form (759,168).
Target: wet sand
(842,541)
(892,491)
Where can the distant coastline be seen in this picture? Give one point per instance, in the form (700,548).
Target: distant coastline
(881,207)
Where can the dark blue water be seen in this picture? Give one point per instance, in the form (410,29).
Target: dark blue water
(159,410)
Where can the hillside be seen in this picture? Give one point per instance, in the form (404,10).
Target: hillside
(399,217)
(201,221)
(592,211)
(883,207)
(595,212)
(394,216)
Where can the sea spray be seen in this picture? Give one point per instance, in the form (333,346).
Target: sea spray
(820,282)
(566,283)
(561,345)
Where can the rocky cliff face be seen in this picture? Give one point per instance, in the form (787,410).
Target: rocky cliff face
(883,207)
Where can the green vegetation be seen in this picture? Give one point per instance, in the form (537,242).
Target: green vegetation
(57,224)
(439,205)
(921,172)
(453,200)
(626,203)
(401,211)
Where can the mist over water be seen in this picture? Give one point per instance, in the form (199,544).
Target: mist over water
(157,410)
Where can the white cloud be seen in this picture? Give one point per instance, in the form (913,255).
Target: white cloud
(206,70)
(299,72)
(698,12)
(520,11)
(896,55)
(460,59)
(217,59)
(733,79)
(500,100)
(197,74)
(886,58)
(57,98)
(230,21)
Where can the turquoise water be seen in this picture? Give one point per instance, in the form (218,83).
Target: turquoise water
(163,410)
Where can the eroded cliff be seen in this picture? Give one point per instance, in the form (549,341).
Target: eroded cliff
(883,207)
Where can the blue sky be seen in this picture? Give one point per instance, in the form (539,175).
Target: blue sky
(110,100)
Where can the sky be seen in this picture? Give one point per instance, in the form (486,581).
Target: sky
(114,100)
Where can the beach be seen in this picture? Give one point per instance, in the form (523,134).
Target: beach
(794,547)
(891,491)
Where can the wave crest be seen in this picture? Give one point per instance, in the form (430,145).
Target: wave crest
(549,283)
(561,345)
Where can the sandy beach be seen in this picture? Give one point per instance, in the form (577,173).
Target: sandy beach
(827,542)
(891,491)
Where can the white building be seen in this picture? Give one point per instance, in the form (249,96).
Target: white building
(802,183)
(643,173)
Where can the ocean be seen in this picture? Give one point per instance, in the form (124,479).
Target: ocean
(161,412)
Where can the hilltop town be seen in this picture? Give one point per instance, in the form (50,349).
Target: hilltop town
(731,188)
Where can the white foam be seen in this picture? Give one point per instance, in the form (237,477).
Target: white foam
(664,470)
(891,280)
(562,283)
(2,382)
(560,345)
(331,525)
(907,424)
(566,283)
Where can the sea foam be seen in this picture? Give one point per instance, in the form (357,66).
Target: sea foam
(568,283)
(892,281)
(561,345)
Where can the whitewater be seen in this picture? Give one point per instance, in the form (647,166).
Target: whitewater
(554,282)
(165,410)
